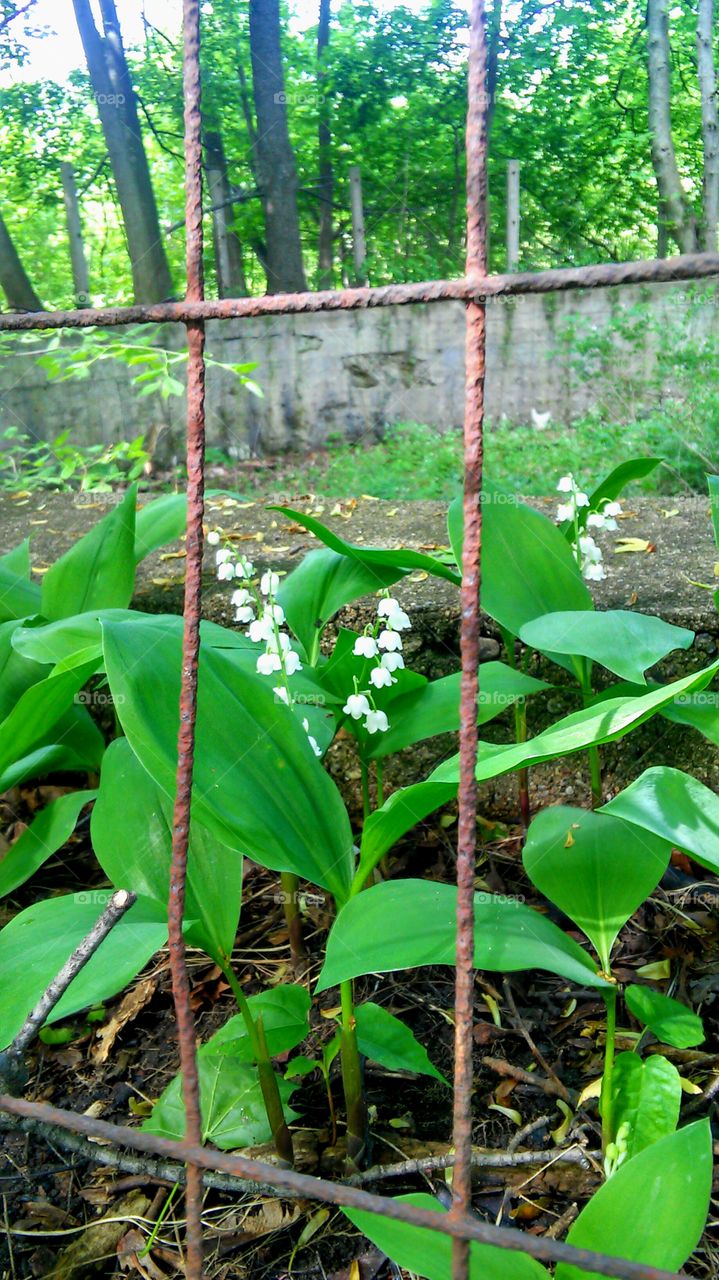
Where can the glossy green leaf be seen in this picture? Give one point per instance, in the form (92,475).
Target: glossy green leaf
(17,673)
(434,708)
(131,802)
(653,1209)
(285,1018)
(401,558)
(74,744)
(324,582)
(646,1097)
(36,943)
(47,833)
(258,785)
(668,1019)
(423,1252)
(37,711)
(528,569)
(624,642)
(19,596)
(604,721)
(612,485)
(699,711)
(158,522)
(409,923)
(98,572)
(597,869)
(231,1105)
(677,807)
(54,642)
(386,1040)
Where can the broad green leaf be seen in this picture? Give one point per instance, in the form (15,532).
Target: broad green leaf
(17,673)
(409,923)
(98,572)
(231,1105)
(384,1039)
(258,786)
(285,1018)
(47,833)
(54,642)
(624,642)
(612,485)
(654,1207)
(699,711)
(669,1020)
(131,802)
(434,708)
(597,869)
(36,943)
(401,558)
(602,722)
(159,522)
(527,567)
(676,807)
(37,711)
(19,596)
(646,1097)
(423,1252)
(324,582)
(74,744)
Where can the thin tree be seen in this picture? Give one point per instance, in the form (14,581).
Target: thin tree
(677,210)
(710,128)
(14,280)
(325,186)
(117,107)
(274,157)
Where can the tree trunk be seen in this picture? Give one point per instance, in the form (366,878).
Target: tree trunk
(13,279)
(273,152)
(228,250)
(78,260)
(325,184)
(679,217)
(117,108)
(710,130)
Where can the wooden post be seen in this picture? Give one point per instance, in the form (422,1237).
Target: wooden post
(359,243)
(228,250)
(80,272)
(512,215)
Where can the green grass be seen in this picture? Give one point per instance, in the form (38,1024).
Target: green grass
(419,462)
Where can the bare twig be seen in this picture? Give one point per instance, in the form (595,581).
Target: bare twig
(521,1026)
(11,1061)
(553,1087)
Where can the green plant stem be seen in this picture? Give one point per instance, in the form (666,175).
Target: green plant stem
(290,886)
(352,1083)
(520,729)
(281,1135)
(379,776)
(610,1000)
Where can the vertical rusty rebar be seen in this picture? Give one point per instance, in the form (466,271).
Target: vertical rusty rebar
(191,632)
(469,636)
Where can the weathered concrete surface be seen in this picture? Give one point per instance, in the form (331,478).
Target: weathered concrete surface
(349,374)
(661,581)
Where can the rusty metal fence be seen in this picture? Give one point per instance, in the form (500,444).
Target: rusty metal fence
(475,289)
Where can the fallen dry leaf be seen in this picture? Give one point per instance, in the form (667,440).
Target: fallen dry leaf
(135,1000)
(633,545)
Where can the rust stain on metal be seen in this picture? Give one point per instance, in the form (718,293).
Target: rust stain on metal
(307,1187)
(475,346)
(191,637)
(689,266)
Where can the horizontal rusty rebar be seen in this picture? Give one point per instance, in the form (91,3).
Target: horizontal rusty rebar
(336,1193)
(685,267)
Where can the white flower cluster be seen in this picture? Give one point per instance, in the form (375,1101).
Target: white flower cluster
(265,617)
(588,553)
(383,642)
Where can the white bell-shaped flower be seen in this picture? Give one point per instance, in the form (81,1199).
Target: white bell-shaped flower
(381,678)
(389,641)
(269,583)
(376,722)
(392,661)
(365,647)
(356,706)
